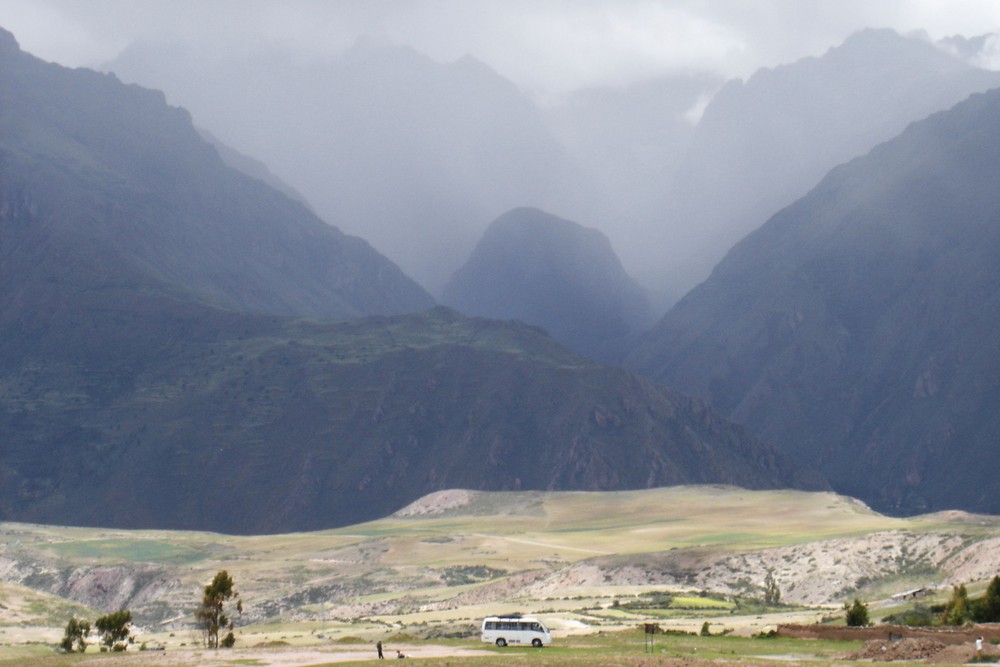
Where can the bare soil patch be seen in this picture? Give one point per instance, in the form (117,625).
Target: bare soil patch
(944,635)
(910,649)
(888,643)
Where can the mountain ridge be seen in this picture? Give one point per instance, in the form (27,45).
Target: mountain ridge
(850,329)
(415,155)
(764,143)
(180,216)
(182,345)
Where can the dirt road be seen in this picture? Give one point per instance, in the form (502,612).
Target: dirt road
(270,657)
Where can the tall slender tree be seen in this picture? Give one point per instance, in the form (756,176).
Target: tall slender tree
(772,594)
(956,612)
(75,638)
(212,616)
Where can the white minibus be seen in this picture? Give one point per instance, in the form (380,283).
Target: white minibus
(503,630)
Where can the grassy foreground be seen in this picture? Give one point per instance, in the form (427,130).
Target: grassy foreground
(619,648)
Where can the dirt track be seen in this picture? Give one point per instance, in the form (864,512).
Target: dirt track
(271,657)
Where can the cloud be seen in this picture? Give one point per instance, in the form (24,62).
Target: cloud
(565,44)
(544,45)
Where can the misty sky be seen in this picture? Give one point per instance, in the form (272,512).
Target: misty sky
(546,46)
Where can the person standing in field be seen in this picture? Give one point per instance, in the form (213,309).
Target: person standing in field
(378,647)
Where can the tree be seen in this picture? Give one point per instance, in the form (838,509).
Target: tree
(115,629)
(772,595)
(956,612)
(211,615)
(857,614)
(987,608)
(75,638)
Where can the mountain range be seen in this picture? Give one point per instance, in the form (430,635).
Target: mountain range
(181,345)
(418,156)
(414,155)
(856,329)
(765,142)
(184,345)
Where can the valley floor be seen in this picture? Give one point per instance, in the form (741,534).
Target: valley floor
(626,649)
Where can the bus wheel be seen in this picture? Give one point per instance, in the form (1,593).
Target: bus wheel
(536,642)
(501,642)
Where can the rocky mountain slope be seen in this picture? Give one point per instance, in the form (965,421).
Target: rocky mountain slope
(763,143)
(150,376)
(415,156)
(556,274)
(856,329)
(104,182)
(201,420)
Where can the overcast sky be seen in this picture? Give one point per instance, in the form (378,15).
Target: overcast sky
(543,45)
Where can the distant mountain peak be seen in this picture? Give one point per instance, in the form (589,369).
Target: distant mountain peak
(373,48)
(8,43)
(883,45)
(872,36)
(980,51)
(554,273)
(761,145)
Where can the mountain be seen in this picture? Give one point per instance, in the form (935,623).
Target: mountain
(556,274)
(764,143)
(251,167)
(155,372)
(121,187)
(209,420)
(981,50)
(857,328)
(630,137)
(414,155)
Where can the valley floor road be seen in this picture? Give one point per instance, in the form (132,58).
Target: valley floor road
(273,657)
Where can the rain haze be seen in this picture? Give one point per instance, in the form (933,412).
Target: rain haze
(415,124)
(551,46)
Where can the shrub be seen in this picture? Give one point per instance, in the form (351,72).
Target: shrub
(857,614)
(115,629)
